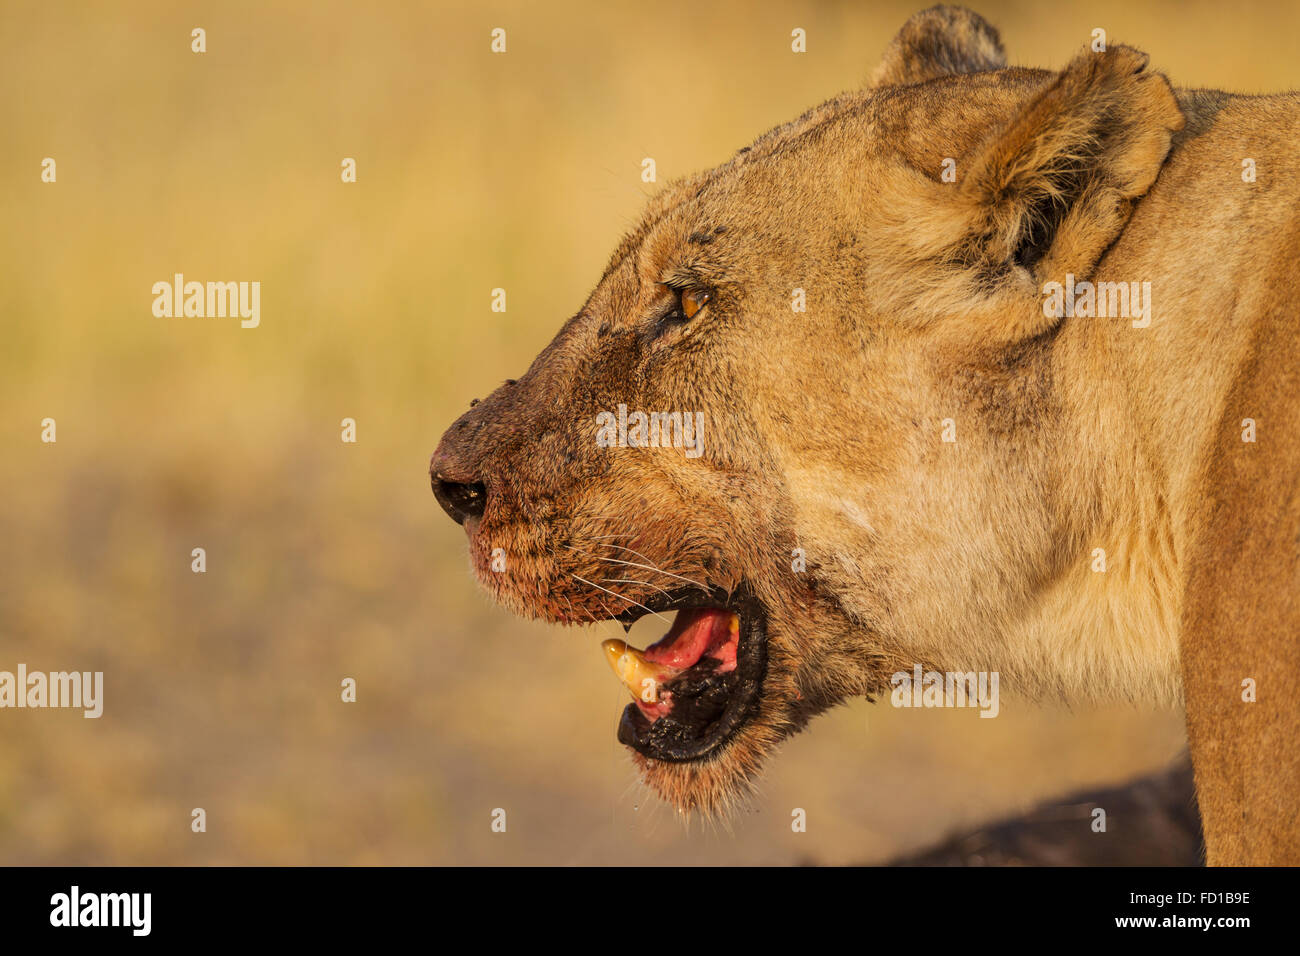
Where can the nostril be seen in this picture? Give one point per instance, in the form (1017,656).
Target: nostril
(460,499)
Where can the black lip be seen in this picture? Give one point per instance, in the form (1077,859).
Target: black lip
(708,708)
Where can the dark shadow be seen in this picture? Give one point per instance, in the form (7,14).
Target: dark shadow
(1152,821)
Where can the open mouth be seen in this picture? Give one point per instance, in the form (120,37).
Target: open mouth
(699,683)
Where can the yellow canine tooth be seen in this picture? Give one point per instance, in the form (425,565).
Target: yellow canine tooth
(640,676)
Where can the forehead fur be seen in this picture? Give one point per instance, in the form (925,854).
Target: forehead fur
(836,158)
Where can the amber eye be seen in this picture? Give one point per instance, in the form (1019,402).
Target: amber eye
(693,300)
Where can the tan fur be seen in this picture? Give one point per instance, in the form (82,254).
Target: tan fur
(924,303)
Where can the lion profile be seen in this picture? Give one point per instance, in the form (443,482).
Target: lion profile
(993,370)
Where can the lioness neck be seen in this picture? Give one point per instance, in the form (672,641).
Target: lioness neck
(1146,406)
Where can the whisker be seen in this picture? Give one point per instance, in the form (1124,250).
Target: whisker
(629,551)
(633,564)
(621,598)
(633,581)
(646,567)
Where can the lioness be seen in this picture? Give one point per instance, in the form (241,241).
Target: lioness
(977,369)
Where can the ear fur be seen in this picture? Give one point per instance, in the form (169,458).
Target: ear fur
(939,42)
(1052,189)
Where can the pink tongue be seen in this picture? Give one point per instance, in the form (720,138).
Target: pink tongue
(694,633)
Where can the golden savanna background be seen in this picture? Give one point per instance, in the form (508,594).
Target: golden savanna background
(328,560)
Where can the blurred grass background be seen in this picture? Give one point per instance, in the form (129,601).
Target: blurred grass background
(328,560)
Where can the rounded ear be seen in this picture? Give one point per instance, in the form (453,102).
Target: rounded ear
(1053,188)
(938,42)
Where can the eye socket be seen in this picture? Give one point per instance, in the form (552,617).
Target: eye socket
(693,300)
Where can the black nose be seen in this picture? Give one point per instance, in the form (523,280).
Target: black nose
(459,499)
(457,470)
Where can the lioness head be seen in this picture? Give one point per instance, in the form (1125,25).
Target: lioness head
(750,423)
